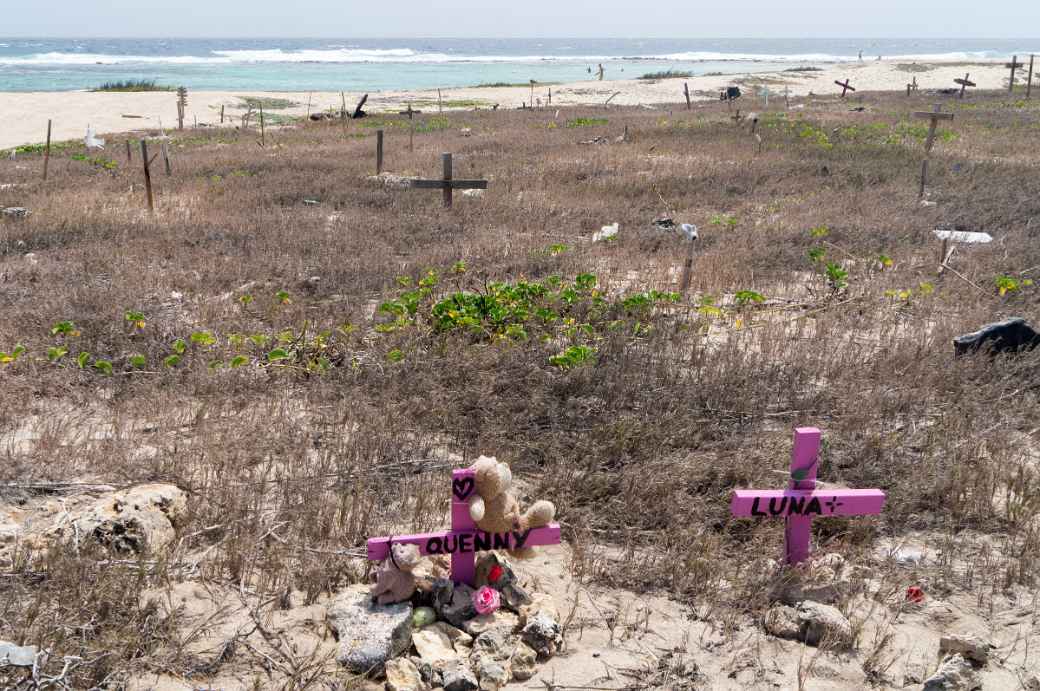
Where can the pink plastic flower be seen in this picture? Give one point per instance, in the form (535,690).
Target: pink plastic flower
(486,600)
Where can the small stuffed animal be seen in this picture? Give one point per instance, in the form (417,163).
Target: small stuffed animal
(496,510)
(394,581)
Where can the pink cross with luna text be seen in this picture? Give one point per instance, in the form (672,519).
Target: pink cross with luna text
(465,539)
(802,501)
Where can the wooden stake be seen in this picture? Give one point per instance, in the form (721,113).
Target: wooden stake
(550,96)
(309,96)
(166,159)
(147,176)
(379,151)
(686,92)
(221,115)
(924,177)
(47,151)
(446,163)
(440,109)
(342,106)
(1014,65)
(1029,82)
(263,132)
(687,270)
(129,154)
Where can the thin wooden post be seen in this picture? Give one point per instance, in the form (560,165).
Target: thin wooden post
(379,151)
(532,93)
(1014,66)
(550,96)
(1029,82)
(687,270)
(440,109)
(166,159)
(342,106)
(310,95)
(908,90)
(686,92)
(47,151)
(263,132)
(446,161)
(147,176)
(924,177)
(221,114)
(129,153)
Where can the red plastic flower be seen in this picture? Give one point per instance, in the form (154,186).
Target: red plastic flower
(495,573)
(914,594)
(486,600)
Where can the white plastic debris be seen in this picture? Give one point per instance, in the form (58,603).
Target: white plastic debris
(928,204)
(473,193)
(689,231)
(92,141)
(606,233)
(963,236)
(16,655)
(465,131)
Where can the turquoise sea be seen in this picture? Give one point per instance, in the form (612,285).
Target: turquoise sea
(379,64)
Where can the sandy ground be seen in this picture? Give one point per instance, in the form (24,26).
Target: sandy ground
(24,115)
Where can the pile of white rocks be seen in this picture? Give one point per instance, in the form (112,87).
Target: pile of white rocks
(437,640)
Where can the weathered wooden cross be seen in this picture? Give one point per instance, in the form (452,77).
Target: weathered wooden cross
(1013,65)
(844,86)
(447,183)
(964,83)
(801,501)
(465,539)
(935,115)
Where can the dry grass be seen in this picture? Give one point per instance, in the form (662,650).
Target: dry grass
(290,470)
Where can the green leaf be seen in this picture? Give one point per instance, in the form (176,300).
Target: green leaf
(819,232)
(18,351)
(278,354)
(395,355)
(172,360)
(238,361)
(64,328)
(283,297)
(179,346)
(203,338)
(137,361)
(103,366)
(82,359)
(56,353)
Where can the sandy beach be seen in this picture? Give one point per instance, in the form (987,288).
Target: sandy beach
(25,114)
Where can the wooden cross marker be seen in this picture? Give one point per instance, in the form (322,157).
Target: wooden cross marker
(964,84)
(935,116)
(182,104)
(464,539)
(844,87)
(411,125)
(1013,65)
(447,183)
(801,501)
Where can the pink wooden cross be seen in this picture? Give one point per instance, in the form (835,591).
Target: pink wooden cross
(465,539)
(802,501)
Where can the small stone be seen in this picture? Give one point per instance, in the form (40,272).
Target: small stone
(140,519)
(16,212)
(430,676)
(402,675)
(543,634)
(928,204)
(954,674)
(970,647)
(459,677)
(499,621)
(458,608)
(908,556)
(368,634)
(522,663)
(17,655)
(493,643)
(435,646)
(823,624)
(491,673)
(782,621)
(423,616)
(466,131)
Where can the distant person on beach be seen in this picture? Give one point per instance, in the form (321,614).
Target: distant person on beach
(601,71)
(861,56)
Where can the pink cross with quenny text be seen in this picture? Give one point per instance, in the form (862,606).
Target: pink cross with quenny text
(465,539)
(802,501)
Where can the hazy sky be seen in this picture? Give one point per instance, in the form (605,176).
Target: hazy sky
(520,18)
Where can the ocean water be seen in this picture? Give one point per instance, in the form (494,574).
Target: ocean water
(383,64)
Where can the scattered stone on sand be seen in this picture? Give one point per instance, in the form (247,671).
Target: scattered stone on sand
(824,625)
(1009,336)
(543,634)
(969,646)
(402,675)
(16,212)
(954,674)
(17,655)
(908,556)
(493,643)
(441,642)
(491,674)
(473,193)
(138,520)
(368,634)
(523,662)
(782,621)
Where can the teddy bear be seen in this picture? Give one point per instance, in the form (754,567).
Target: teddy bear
(394,581)
(495,510)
